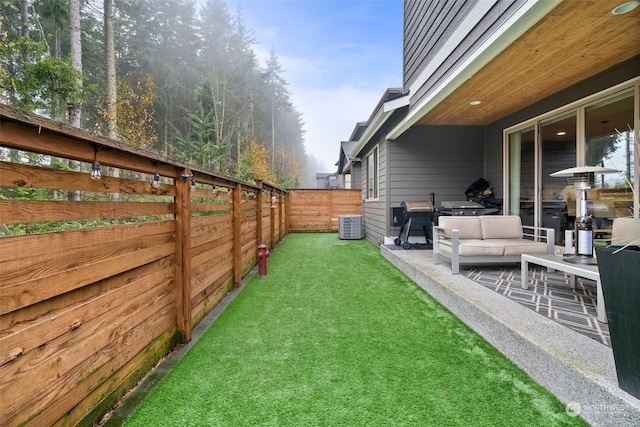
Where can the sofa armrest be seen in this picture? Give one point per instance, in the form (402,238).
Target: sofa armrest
(451,235)
(541,234)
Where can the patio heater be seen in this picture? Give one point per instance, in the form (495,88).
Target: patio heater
(583,180)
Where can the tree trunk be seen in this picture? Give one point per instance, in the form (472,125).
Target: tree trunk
(110,60)
(24,18)
(75,108)
(24,28)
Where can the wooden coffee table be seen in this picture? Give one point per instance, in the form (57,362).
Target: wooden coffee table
(555,262)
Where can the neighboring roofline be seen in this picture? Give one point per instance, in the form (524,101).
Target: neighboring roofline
(516,25)
(345,158)
(355,130)
(380,115)
(351,161)
(325,174)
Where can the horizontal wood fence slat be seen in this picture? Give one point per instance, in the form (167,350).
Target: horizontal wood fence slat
(101,278)
(29,176)
(30,211)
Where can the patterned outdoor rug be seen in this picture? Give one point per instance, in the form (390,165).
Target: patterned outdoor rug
(550,295)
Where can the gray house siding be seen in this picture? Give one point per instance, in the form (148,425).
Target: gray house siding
(493,155)
(427,25)
(432,26)
(374,211)
(356,175)
(444,160)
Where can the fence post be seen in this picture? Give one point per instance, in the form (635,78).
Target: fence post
(287,214)
(259,202)
(237,235)
(273,220)
(183,256)
(281,217)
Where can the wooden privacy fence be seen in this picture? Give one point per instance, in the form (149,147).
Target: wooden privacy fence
(100,278)
(319,210)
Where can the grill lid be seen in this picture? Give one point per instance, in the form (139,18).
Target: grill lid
(461,205)
(417,206)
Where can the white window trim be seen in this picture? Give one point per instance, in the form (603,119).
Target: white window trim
(374,152)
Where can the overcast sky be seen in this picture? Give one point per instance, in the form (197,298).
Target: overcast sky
(338,56)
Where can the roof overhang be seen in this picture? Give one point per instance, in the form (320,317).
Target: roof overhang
(545,47)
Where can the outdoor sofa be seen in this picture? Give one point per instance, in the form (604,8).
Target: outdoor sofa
(488,239)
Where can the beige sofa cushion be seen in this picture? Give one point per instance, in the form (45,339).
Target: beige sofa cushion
(477,247)
(501,227)
(469,226)
(520,246)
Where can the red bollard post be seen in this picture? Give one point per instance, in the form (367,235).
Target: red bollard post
(263,254)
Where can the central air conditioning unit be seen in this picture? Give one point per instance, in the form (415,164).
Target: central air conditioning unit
(350,227)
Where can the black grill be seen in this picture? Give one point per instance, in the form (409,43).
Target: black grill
(464,208)
(413,213)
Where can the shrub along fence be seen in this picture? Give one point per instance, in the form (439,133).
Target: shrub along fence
(100,278)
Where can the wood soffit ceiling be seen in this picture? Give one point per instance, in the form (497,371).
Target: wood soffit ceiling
(576,40)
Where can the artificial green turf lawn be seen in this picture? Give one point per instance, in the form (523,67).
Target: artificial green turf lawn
(337,336)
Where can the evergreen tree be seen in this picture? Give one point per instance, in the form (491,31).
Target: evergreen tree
(187,77)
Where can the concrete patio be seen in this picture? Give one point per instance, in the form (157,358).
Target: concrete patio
(579,370)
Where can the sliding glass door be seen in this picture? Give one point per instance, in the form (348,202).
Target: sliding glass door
(596,133)
(609,138)
(558,151)
(522,174)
